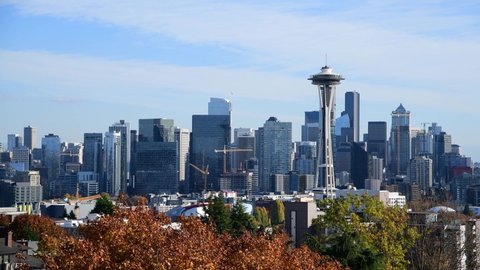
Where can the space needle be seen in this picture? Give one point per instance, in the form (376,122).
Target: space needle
(326,81)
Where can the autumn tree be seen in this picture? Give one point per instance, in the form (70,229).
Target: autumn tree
(142,239)
(33,227)
(261,217)
(103,205)
(362,233)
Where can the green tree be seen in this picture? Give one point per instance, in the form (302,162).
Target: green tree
(362,233)
(218,214)
(277,213)
(72,215)
(467,211)
(240,220)
(103,206)
(261,217)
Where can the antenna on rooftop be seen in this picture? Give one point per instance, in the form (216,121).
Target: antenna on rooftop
(326,60)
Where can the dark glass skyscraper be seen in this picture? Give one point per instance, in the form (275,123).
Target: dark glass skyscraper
(442,144)
(311,128)
(209,132)
(377,139)
(400,142)
(352,108)
(156,130)
(156,168)
(92,152)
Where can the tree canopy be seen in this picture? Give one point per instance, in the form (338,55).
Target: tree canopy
(103,205)
(33,227)
(142,239)
(362,233)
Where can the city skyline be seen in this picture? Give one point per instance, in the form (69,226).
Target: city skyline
(75,68)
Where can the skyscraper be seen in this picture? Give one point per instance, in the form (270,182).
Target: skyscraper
(359,165)
(377,139)
(352,107)
(421,172)
(156,130)
(92,152)
(124,129)
(14,140)
(113,163)
(51,150)
(442,144)
(219,106)
(274,145)
(311,128)
(182,137)
(30,137)
(156,168)
(209,132)
(326,81)
(400,142)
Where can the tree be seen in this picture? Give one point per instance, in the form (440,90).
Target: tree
(218,214)
(33,227)
(146,241)
(277,213)
(71,215)
(240,220)
(103,205)
(362,233)
(261,217)
(467,211)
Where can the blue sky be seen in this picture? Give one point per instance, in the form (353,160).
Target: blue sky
(69,67)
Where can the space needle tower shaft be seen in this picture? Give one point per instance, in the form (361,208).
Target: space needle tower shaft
(326,81)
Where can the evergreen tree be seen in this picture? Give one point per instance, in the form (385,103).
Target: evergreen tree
(241,220)
(218,214)
(467,211)
(71,215)
(277,213)
(103,206)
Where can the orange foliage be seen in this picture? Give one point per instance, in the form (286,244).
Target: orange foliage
(142,239)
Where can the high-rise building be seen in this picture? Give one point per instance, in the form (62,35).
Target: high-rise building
(326,81)
(305,157)
(400,142)
(51,150)
(311,128)
(421,172)
(113,163)
(219,106)
(359,165)
(30,137)
(352,107)
(14,141)
(21,156)
(244,138)
(156,168)
(182,137)
(274,147)
(124,129)
(377,139)
(209,132)
(375,168)
(92,152)
(156,130)
(442,144)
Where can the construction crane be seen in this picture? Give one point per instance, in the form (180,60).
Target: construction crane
(225,151)
(204,172)
(425,126)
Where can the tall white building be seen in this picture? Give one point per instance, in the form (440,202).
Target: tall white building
(113,162)
(421,172)
(182,136)
(123,128)
(274,146)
